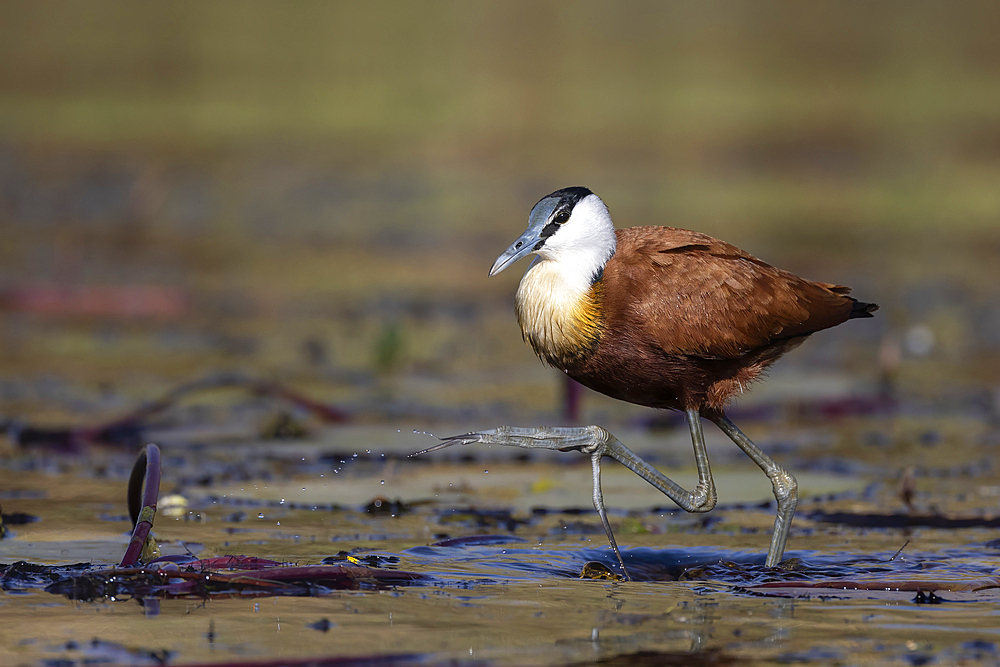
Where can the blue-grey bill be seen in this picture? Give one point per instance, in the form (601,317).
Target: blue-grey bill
(524,245)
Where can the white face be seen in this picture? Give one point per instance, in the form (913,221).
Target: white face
(587,238)
(572,227)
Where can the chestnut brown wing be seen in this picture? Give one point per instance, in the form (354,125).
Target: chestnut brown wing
(692,294)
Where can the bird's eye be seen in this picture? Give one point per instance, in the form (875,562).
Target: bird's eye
(561,217)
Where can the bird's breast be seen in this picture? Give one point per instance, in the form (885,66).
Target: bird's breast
(560,314)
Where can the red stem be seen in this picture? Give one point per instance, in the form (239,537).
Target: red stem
(145,477)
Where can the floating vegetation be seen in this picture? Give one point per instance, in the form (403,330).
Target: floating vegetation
(143,573)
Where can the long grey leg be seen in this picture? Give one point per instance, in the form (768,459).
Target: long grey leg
(786,489)
(595,462)
(597,442)
(704,495)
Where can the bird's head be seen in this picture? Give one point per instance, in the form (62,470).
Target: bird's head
(571,225)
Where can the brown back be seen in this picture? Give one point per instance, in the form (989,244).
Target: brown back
(691,294)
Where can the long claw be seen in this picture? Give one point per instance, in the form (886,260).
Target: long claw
(543,437)
(591,439)
(463,439)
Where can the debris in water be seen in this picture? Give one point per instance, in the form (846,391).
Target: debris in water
(595,570)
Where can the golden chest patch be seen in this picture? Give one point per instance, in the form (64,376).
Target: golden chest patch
(562,322)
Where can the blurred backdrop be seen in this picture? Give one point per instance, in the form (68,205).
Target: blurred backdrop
(314,192)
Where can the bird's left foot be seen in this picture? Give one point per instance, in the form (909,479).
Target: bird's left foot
(592,440)
(587,439)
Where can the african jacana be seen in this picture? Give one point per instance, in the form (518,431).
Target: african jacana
(661,317)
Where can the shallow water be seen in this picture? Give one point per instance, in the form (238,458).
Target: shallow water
(515,596)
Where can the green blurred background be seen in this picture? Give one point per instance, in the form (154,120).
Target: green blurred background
(315,191)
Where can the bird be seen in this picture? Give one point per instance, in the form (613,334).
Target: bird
(660,317)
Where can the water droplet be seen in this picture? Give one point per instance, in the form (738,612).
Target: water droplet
(486,472)
(382,482)
(260,515)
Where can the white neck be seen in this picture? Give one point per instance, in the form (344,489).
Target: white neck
(553,297)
